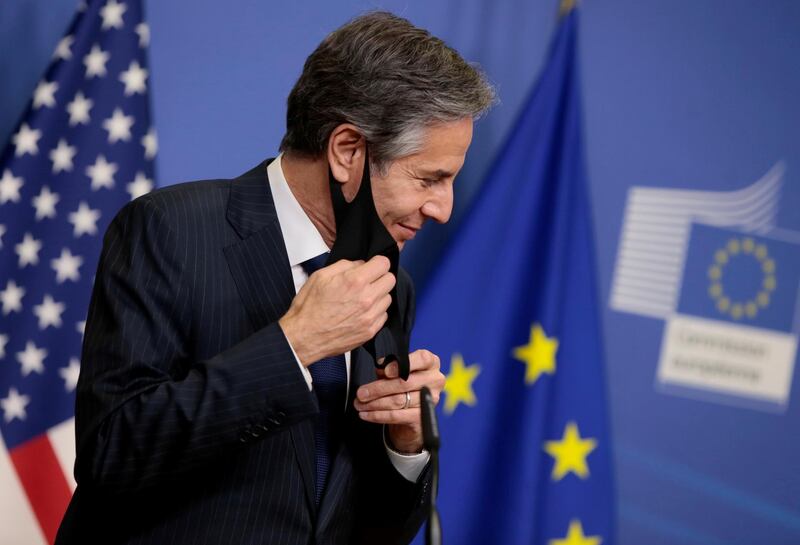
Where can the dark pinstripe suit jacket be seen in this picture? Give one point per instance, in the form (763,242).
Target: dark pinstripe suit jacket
(194,424)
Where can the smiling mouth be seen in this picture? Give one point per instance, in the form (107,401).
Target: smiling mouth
(410,231)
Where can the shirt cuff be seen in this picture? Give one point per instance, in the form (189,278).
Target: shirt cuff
(303,368)
(410,466)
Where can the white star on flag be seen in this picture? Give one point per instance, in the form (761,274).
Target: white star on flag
(143,30)
(14,405)
(140,185)
(45,94)
(80,327)
(79,110)
(102,173)
(150,143)
(118,126)
(45,204)
(26,140)
(134,79)
(64,48)
(9,187)
(11,297)
(28,251)
(95,62)
(84,219)
(3,343)
(62,156)
(32,359)
(66,266)
(70,374)
(49,312)
(112,14)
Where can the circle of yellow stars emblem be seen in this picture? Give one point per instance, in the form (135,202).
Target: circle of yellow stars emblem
(716,272)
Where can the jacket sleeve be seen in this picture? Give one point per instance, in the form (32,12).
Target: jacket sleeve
(145,411)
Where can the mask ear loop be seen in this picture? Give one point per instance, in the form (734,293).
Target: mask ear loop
(360,234)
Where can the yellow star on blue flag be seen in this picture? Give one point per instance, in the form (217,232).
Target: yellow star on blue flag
(539,355)
(458,385)
(570,453)
(575,536)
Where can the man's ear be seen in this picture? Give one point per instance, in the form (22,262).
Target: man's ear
(346,152)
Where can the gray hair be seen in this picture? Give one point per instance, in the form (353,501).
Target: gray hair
(388,78)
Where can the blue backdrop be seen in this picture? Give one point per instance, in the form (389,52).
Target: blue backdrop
(684,94)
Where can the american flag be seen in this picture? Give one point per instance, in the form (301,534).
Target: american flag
(84,147)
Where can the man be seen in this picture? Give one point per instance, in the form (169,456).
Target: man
(225,396)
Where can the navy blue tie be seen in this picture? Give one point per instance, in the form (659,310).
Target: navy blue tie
(330,385)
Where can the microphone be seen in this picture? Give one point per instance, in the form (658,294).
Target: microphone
(430,425)
(431,442)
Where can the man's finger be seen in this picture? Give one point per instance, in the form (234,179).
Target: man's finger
(390,386)
(420,360)
(384,303)
(391,370)
(388,403)
(381,261)
(341,266)
(384,284)
(371,270)
(399,416)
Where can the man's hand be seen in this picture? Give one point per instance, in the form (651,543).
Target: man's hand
(384,400)
(339,308)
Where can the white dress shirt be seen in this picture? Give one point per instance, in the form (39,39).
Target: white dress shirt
(304,242)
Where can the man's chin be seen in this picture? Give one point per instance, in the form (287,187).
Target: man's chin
(399,237)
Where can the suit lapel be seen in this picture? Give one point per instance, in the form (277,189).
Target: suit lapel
(262,274)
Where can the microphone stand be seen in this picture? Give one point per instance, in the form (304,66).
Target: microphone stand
(431,442)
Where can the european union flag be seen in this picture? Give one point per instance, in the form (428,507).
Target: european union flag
(733,338)
(512,311)
(742,278)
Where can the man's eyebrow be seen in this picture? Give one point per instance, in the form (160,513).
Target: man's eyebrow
(438,173)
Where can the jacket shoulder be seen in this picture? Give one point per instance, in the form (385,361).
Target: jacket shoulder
(192,197)
(186,194)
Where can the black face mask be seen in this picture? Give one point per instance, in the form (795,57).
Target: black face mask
(360,234)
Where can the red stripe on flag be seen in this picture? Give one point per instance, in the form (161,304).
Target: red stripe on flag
(44,482)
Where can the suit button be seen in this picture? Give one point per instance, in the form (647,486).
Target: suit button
(262,427)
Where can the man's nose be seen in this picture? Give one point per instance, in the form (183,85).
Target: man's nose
(439,205)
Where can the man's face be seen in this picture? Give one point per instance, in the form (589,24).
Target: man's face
(419,187)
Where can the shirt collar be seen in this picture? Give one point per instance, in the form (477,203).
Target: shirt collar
(300,236)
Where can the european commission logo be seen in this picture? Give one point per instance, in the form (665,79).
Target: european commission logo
(725,281)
